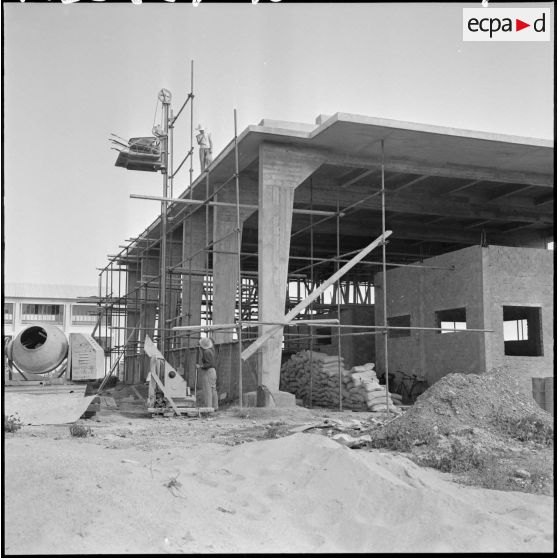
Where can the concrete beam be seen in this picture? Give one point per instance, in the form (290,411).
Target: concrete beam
(393,164)
(426,233)
(416,204)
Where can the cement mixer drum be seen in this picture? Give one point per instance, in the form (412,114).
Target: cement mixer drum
(39,349)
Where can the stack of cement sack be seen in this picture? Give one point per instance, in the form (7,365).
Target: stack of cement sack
(295,378)
(360,389)
(365,389)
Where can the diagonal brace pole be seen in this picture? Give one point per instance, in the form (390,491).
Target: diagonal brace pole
(249,351)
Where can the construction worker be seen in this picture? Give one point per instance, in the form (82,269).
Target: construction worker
(206,147)
(207,373)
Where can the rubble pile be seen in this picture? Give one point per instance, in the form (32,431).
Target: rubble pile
(360,389)
(467,412)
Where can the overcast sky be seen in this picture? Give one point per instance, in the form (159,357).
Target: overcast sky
(74,73)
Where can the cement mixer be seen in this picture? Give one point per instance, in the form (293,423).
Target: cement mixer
(47,375)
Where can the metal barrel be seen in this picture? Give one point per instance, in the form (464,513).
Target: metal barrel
(538,391)
(549,395)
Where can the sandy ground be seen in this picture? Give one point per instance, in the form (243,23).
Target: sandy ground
(226,485)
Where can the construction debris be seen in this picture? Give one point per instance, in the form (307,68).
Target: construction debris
(360,389)
(465,420)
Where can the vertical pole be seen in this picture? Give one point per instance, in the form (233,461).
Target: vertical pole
(191,197)
(139,290)
(109,315)
(339,311)
(384,284)
(239,276)
(101,311)
(205,288)
(191,123)
(171,154)
(163,283)
(120,312)
(311,309)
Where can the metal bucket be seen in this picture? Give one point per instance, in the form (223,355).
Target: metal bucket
(543,393)
(538,391)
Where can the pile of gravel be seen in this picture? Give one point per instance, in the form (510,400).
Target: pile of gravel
(468,413)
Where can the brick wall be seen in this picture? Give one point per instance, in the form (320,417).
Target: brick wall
(519,277)
(484,281)
(420,293)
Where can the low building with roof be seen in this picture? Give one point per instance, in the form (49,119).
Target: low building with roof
(26,304)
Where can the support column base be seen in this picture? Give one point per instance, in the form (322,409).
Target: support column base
(265,398)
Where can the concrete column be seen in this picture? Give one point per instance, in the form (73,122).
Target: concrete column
(194,240)
(174,290)
(486,358)
(225,266)
(281,170)
(132,317)
(149,294)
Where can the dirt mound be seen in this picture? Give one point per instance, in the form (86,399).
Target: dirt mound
(463,403)
(469,422)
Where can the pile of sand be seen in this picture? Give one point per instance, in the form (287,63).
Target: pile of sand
(301,493)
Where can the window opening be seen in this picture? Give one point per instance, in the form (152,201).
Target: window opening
(451,320)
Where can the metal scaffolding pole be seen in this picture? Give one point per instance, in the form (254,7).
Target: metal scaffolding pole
(384,283)
(339,310)
(311,375)
(165,98)
(239,247)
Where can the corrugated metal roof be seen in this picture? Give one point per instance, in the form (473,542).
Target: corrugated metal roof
(41,290)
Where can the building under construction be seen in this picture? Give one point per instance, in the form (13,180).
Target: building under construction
(425,249)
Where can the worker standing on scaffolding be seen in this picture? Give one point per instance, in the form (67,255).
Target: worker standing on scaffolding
(208,374)
(206,147)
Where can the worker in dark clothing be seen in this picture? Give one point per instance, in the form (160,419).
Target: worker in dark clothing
(208,374)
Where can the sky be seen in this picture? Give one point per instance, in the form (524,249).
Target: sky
(74,73)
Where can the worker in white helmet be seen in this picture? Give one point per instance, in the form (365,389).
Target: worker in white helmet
(208,374)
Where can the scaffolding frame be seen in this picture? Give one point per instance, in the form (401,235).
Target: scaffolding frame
(131,285)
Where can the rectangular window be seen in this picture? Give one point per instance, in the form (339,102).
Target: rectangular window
(399,321)
(451,320)
(522,331)
(83,314)
(52,313)
(8,312)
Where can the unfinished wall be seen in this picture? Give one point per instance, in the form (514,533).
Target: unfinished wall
(355,349)
(419,294)
(520,278)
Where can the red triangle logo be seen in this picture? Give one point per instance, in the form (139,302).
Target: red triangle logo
(519,25)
